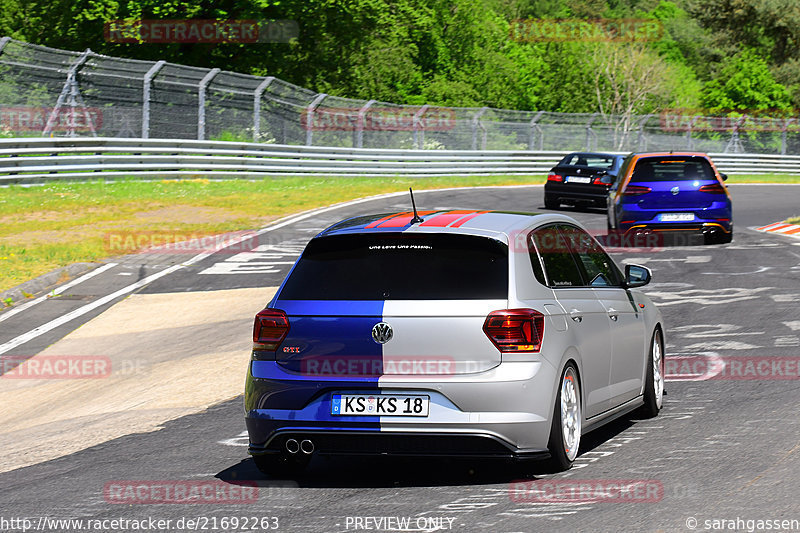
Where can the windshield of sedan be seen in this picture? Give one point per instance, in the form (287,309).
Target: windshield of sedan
(396,266)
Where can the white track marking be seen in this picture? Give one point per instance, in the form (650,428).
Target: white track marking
(59,290)
(705,296)
(63,319)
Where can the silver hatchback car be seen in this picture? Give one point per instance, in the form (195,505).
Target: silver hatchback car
(458,333)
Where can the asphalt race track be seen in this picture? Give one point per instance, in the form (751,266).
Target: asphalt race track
(726,447)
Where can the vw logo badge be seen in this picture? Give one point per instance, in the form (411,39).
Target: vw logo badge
(382,333)
(675,191)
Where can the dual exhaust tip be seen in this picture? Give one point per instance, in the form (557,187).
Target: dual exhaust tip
(305,446)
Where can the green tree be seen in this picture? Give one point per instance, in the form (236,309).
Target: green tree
(745,83)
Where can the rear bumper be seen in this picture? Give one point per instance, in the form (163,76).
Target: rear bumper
(505,411)
(717,218)
(578,192)
(331,442)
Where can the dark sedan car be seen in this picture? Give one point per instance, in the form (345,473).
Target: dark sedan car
(581,178)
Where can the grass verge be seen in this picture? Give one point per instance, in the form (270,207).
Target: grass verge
(49,226)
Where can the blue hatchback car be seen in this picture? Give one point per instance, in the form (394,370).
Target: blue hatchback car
(670,193)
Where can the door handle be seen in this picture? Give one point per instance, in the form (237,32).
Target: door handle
(575,315)
(613,314)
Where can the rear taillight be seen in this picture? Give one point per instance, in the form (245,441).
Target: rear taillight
(515,330)
(635,190)
(269,329)
(555,177)
(598,181)
(714,188)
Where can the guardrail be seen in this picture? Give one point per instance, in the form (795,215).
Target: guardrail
(43,159)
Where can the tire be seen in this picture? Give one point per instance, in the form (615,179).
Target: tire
(654,378)
(565,427)
(281,465)
(550,203)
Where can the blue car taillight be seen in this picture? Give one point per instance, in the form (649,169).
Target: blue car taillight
(714,188)
(269,329)
(515,330)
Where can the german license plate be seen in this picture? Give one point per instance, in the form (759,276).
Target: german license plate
(379,405)
(578,179)
(677,217)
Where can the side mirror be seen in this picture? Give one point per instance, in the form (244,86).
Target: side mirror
(723,176)
(637,276)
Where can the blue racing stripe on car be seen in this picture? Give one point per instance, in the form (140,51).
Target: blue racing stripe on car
(372,308)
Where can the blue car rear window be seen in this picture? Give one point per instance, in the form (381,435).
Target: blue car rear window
(672,168)
(400,266)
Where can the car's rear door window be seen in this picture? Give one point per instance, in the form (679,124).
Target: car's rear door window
(559,263)
(597,267)
(400,266)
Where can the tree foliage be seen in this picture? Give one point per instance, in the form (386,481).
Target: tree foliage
(459,52)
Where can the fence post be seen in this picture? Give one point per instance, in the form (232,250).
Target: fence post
(201,103)
(640,137)
(257,106)
(3,42)
(70,89)
(476,122)
(784,129)
(310,117)
(689,140)
(418,139)
(148,79)
(590,132)
(360,124)
(734,144)
(534,127)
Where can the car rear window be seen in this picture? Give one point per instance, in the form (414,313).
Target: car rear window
(590,161)
(400,266)
(673,168)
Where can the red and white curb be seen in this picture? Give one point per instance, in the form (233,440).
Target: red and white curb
(782,228)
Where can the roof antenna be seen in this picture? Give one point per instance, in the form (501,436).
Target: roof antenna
(417,219)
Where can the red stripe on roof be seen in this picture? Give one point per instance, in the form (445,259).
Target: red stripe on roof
(443,219)
(466,219)
(384,219)
(404,219)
